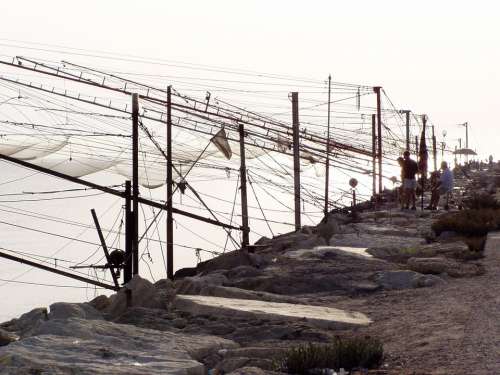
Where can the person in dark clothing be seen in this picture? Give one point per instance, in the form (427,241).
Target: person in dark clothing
(409,171)
(401,191)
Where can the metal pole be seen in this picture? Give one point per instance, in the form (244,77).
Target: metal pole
(244,201)
(127,272)
(135,184)
(59,272)
(170,220)
(296,157)
(379,131)
(416,145)
(434,149)
(104,248)
(327,162)
(374,156)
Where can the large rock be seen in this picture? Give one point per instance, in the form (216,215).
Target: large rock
(404,279)
(23,325)
(97,347)
(143,294)
(327,228)
(228,261)
(435,265)
(7,337)
(439,265)
(200,284)
(64,310)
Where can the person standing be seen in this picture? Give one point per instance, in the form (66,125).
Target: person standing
(409,171)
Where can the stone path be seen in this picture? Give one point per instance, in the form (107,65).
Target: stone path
(453,328)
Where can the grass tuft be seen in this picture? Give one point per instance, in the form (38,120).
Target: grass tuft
(346,353)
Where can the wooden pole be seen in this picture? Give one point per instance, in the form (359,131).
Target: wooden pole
(434,149)
(58,271)
(296,157)
(424,172)
(170,220)
(379,134)
(374,156)
(327,162)
(127,271)
(244,201)
(407,114)
(105,248)
(135,184)
(466,139)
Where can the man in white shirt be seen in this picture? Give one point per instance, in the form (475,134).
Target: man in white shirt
(443,187)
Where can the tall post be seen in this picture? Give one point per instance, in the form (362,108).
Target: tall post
(374,156)
(127,271)
(434,149)
(105,248)
(135,184)
(327,163)
(424,172)
(460,147)
(466,135)
(296,157)
(407,114)
(466,139)
(377,90)
(416,145)
(170,220)
(244,201)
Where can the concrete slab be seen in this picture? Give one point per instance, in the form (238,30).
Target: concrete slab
(320,316)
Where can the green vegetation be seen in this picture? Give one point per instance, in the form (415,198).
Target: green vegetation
(470,223)
(346,353)
(481,201)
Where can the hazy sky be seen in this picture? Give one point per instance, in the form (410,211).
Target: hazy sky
(434,57)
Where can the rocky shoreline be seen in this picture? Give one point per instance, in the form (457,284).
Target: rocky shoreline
(382,273)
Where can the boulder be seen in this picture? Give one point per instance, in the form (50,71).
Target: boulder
(7,337)
(404,279)
(309,243)
(200,284)
(433,266)
(225,262)
(100,303)
(328,227)
(64,310)
(143,294)
(185,272)
(26,322)
(99,347)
